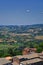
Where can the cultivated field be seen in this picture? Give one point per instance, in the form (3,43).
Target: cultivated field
(39,37)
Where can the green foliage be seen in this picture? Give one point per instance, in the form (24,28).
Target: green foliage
(41,45)
(39,49)
(36,45)
(1,53)
(18,52)
(12,50)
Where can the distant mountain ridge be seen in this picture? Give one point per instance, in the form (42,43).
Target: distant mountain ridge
(20,28)
(36,25)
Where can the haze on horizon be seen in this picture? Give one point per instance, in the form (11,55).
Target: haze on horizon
(21,12)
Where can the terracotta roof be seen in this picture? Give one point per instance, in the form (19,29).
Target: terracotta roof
(31,58)
(14,63)
(33,55)
(42,52)
(8,58)
(32,61)
(4,61)
(26,49)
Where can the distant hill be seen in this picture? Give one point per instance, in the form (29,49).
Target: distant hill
(20,28)
(20,32)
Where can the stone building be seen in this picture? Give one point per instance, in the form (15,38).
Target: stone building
(31,59)
(28,51)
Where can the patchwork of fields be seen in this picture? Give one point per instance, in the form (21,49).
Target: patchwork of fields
(14,38)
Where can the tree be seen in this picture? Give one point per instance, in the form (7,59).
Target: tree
(39,49)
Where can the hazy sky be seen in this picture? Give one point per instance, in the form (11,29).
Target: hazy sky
(21,12)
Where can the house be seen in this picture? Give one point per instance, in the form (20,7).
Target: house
(28,51)
(25,51)
(15,61)
(32,50)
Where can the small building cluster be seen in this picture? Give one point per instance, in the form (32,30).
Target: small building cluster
(31,59)
(27,51)
(28,57)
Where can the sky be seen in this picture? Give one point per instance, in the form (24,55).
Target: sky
(21,12)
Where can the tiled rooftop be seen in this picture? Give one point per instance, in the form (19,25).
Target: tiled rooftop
(3,61)
(31,58)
